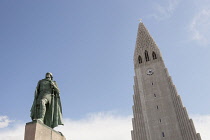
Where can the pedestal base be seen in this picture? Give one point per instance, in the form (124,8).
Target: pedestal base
(39,131)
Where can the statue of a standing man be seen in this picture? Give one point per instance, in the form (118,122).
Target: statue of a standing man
(46,107)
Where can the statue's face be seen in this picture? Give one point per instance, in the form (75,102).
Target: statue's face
(48,76)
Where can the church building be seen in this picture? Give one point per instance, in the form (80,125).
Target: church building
(158,111)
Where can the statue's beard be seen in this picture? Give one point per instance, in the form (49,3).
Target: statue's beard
(48,77)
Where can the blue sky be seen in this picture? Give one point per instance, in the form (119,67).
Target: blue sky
(89,46)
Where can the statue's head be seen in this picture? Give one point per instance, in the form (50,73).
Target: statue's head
(49,75)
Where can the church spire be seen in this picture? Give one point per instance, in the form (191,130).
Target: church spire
(158,110)
(146,47)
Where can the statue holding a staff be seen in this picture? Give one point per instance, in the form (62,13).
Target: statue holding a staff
(47,107)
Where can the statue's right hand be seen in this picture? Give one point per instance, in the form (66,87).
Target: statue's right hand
(52,84)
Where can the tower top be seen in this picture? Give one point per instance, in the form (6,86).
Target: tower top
(144,42)
(140,20)
(144,39)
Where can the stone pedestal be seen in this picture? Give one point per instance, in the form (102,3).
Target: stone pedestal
(39,131)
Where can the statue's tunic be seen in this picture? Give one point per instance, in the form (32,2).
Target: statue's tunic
(45,90)
(53,113)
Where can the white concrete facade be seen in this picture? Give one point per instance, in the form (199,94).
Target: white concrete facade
(158,110)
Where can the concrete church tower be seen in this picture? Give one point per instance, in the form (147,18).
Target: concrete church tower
(158,110)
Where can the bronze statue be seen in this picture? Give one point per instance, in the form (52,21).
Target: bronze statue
(47,107)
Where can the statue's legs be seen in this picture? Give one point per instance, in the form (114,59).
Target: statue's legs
(42,112)
(43,102)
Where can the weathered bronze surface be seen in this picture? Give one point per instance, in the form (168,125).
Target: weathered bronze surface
(47,107)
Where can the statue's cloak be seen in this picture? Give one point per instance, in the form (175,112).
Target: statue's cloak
(53,115)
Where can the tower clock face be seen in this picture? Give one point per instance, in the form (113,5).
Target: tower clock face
(150,71)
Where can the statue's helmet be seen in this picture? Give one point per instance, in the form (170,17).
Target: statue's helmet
(49,73)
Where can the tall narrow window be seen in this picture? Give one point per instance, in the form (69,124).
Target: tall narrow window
(154,55)
(157,107)
(140,59)
(163,134)
(146,55)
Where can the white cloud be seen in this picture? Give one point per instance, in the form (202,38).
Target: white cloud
(202,125)
(101,126)
(4,121)
(200,27)
(14,133)
(165,11)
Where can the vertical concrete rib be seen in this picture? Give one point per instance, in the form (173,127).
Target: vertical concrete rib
(188,124)
(187,132)
(175,103)
(139,129)
(178,109)
(181,116)
(132,135)
(193,129)
(198,136)
(185,121)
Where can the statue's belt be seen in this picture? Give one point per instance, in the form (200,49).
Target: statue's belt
(46,91)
